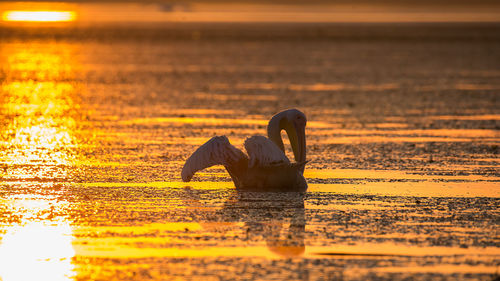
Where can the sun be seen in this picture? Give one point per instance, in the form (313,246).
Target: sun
(39,16)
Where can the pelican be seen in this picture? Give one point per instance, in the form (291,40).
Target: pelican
(266,168)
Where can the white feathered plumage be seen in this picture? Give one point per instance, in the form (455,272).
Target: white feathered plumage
(266,168)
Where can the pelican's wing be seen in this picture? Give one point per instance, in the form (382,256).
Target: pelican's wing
(216,151)
(263,152)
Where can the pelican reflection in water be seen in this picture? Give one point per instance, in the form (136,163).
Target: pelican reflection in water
(266,168)
(278,218)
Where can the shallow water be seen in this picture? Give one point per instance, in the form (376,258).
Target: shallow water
(402,140)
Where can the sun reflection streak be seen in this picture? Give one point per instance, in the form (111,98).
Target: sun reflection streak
(37,251)
(38,144)
(39,247)
(39,127)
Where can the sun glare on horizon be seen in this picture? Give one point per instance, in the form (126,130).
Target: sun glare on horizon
(39,16)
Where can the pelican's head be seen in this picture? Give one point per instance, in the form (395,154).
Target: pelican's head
(294,122)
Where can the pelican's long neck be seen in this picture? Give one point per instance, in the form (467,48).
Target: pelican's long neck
(274,128)
(295,128)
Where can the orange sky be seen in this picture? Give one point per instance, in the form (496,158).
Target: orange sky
(200,11)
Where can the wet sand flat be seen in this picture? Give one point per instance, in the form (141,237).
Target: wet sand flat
(402,137)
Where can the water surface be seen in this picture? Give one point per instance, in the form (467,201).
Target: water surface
(402,140)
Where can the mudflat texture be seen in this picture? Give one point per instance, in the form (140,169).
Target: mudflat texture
(402,137)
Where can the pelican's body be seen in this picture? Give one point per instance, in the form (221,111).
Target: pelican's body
(266,168)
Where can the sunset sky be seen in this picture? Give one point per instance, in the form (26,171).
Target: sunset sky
(269,11)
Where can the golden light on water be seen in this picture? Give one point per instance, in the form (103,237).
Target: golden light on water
(39,16)
(38,137)
(38,144)
(80,118)
(37,251)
